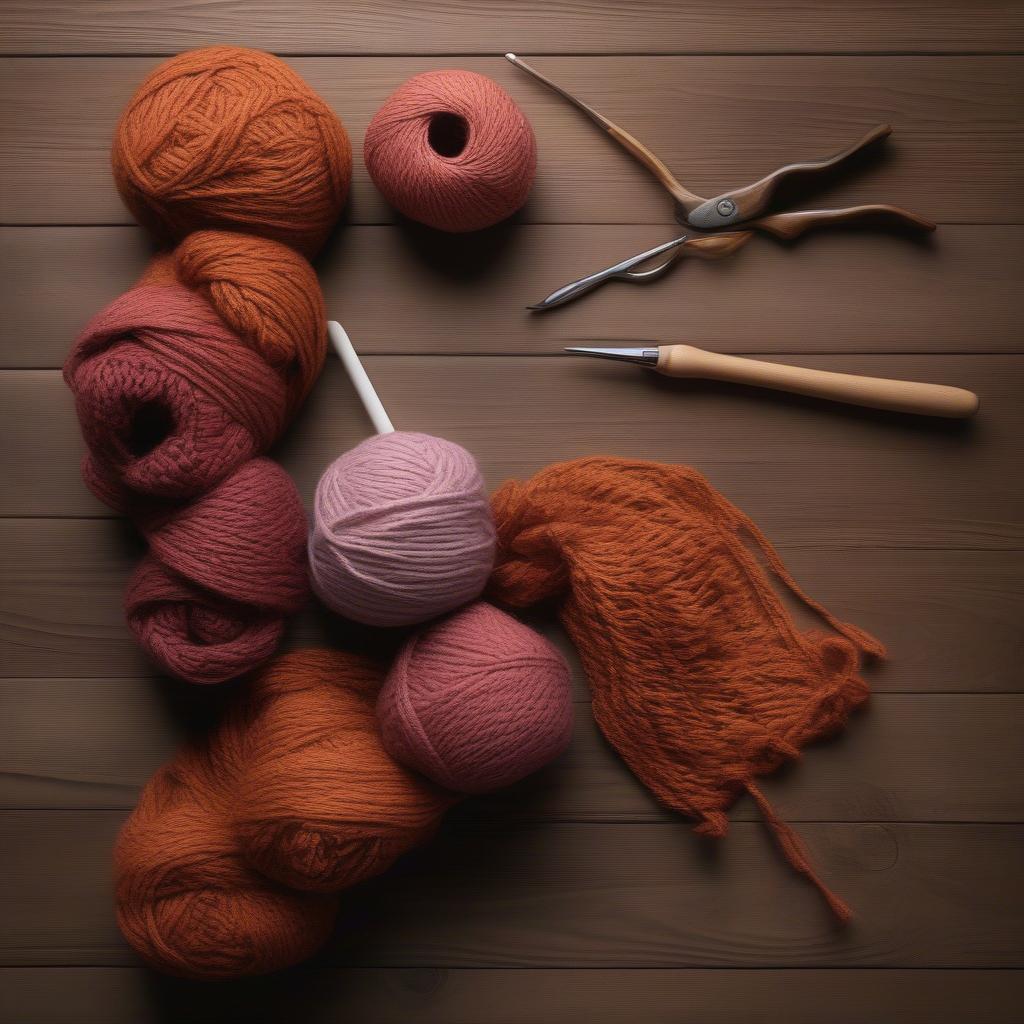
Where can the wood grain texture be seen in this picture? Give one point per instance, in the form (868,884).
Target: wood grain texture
(949,618)
(486,26)
(93,743)
(956,155)
(818,471)
(845,291)
(83,995)
(572,895)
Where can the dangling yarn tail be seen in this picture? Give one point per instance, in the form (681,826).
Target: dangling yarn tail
(794,852)
(857,636)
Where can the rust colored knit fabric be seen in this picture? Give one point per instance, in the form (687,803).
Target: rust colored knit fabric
(700,679)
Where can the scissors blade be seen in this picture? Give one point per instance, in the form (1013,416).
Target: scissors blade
(575,289)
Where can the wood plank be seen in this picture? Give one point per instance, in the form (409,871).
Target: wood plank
(956,157)
(950,618)
(127,995)
(538,26)
(93,743)
(807,472)
(854,292)
(584,896)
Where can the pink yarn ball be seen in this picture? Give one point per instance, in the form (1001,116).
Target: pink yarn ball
(402,530)
(476,702)
(452,150)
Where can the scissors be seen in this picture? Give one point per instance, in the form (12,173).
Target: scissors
(745,209)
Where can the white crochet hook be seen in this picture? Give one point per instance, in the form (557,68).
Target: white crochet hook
(362,383)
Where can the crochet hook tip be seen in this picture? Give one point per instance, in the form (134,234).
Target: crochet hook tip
(643,356)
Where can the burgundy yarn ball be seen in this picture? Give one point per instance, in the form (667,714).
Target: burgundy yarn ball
(452,150)
(476,701)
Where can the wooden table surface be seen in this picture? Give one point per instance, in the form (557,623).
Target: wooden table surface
(574,897)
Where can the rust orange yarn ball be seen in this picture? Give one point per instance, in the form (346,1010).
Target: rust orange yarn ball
(227,137)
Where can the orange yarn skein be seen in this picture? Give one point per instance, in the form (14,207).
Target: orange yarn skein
(294,783)
(321,805)
(700,679)
(226,137)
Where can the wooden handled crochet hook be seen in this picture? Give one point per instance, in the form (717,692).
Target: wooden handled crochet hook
(873,392)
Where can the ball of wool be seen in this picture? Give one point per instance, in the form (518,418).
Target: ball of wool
(402,530)
(209,600)
(320,803)
(336,809)
(168,398)
(197,368)
(452,150)
(476,701)
(227,137)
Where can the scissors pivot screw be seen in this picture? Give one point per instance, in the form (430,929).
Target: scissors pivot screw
(726,207)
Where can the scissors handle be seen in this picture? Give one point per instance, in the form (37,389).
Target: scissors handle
(793,224)
(743,204)
(632,145)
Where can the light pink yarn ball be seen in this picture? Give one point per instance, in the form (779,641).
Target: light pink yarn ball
(476,701)
(452,150)
(402,530)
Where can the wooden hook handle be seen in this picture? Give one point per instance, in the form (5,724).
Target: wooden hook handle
(873,392)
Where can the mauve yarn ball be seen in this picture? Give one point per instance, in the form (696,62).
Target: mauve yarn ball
(452,150)
(402,530)
(476,701)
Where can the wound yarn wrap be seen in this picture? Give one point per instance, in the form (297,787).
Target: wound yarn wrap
(211,596)
(226,137)
(402,530)
(293,786)
(476,701)
(264,292)
(179,385)
(452,150)
(700,679)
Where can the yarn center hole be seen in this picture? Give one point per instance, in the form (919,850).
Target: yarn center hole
(447,133)
(151,425)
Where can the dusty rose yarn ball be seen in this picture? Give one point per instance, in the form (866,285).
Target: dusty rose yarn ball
(476,701)
(452,150)
(402,530)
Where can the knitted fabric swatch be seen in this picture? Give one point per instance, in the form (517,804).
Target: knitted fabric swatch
(701,680)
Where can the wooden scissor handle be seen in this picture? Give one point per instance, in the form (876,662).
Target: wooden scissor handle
(743,204)
(794,224)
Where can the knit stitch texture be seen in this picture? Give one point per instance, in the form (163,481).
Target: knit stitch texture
(179,384)
(700,679)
